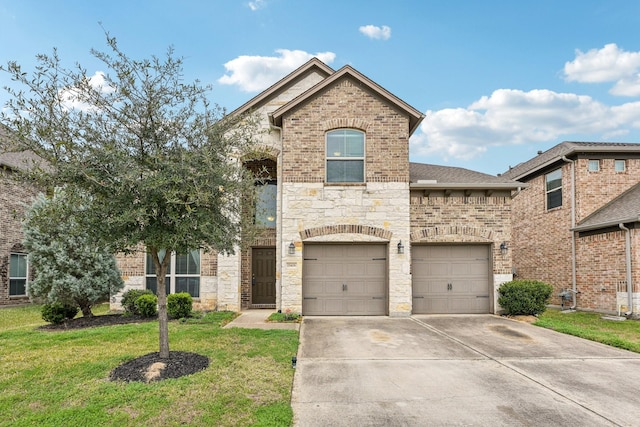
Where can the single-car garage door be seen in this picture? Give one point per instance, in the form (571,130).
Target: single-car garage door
(344,280)
(450,279)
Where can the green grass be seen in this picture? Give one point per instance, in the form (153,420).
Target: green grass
(61,378)
(591,326)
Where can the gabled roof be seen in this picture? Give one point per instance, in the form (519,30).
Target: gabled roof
(313,64)
(567,149)
(15,160)
(623,209)
(425,176)
(415,116)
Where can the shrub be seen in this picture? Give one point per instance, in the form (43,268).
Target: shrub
(57,313)
(179,305)
(147,305)
(528,297)
(129,299)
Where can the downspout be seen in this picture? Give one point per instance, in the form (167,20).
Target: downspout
(574,286)
(627,239)
(279,211)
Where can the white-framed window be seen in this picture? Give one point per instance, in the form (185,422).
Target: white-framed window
(183,273)
(18,275)
(620,165)
(553,182)
(594,166)
(345,155)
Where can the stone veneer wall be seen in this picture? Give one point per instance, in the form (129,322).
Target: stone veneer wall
(13,194)
(377,212)
(466,219)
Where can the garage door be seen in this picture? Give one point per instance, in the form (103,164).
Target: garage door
(450,279)
(344,280)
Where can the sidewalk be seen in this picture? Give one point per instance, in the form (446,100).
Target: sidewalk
(257,319)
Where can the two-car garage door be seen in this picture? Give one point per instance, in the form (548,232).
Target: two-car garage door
(450,279)
(351,279)
(344,279)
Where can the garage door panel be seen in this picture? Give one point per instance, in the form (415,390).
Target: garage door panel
(344,279)
(451,279)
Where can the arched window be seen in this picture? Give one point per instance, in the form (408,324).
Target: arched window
(345,156)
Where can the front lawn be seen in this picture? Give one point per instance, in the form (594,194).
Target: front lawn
(591,326)
(55,378)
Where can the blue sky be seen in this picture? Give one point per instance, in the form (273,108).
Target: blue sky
(497,80)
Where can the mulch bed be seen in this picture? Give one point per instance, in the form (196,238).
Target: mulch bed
(94,321)
(147,368)
(151,367)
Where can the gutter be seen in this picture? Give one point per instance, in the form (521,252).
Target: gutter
(279,216)
(574,285)
(627,239)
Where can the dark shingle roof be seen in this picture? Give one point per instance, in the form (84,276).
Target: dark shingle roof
(15,159)
(454,177)
(567,148)
(623,209)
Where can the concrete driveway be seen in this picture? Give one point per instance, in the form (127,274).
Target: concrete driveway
(479,370)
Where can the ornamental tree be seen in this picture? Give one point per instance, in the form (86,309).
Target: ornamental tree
(153,161)
(70,269)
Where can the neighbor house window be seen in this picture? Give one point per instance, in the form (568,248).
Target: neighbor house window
(183,273)
(554,189)
(594,165)
(266,204)
(620,165)
(345,156)
(18,275)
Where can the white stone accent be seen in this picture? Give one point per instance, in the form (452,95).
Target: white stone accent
(381,205)
(229,282)
(499,279)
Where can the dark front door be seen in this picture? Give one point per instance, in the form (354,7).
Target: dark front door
(263,279)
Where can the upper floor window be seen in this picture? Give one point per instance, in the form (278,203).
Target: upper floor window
(594,165)
(620,165)
(266,205)
(554,189)
(345,156)
(183,273)
(18,275)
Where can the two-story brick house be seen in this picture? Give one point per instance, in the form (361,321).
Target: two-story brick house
(350,226)
(15,195)
(575,225)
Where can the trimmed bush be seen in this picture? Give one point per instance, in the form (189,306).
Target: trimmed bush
(179,305)
(129,299)
(524,297)
(147,305)
(57,313)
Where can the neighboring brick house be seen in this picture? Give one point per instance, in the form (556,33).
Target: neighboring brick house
(14,196)
(574,226)
(350,227)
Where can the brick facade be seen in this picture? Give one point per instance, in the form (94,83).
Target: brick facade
(542,239)
(13,196)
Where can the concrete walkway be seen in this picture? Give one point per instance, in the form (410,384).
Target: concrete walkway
(257,319)
(478,370)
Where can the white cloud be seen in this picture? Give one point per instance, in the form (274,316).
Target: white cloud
(256,73)
(374,32)
(511,117)
(609,64)
(257,4)
(70,95)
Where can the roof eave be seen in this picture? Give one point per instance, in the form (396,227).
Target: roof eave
(466,186)
(573,151)
(415,116)
(606,224)
(256,100)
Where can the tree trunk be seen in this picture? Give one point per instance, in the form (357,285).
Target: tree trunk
(85,307)
(163,320)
